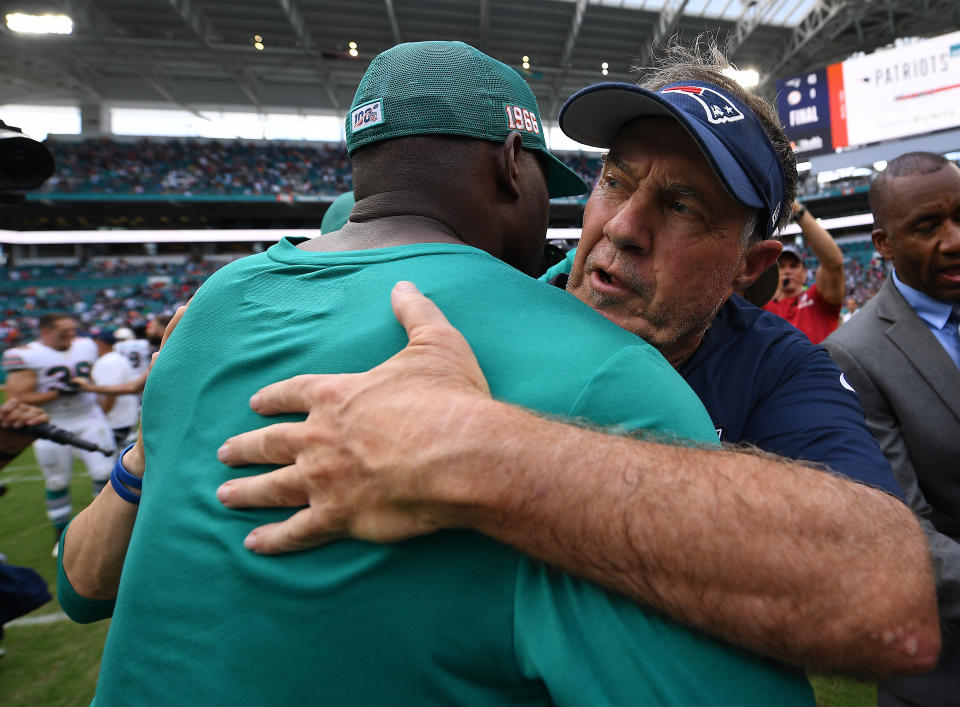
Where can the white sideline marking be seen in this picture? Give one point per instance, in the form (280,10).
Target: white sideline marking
(38,620)
(18,479)
(21,479)
(19,467)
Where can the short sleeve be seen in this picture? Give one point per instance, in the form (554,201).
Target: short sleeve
(15,360)
(591,647)
(813,414)
(78,608)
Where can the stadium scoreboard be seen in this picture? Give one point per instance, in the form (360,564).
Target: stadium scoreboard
(889,94)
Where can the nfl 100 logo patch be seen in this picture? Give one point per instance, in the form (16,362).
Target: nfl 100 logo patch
(522,119)
(367,115)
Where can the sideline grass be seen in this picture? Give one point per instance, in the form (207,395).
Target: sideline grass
(53,664)
(56,664)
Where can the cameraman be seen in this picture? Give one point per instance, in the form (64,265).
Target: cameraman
(39,374)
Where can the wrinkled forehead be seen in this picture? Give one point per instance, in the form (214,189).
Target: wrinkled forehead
(661,143)
(656,133)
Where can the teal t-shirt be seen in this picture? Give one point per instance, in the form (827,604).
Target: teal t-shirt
(451,618)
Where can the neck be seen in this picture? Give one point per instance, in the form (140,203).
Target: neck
(389,219)
(679,353)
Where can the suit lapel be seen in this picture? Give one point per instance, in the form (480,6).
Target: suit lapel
(910,334)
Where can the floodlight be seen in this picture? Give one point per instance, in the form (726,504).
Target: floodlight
(39,24)
(748,78)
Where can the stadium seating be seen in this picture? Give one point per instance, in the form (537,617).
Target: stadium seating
(102,295)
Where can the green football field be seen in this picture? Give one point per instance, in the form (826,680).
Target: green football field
(52,662)
(49,660)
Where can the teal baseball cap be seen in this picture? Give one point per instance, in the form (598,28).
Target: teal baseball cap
(338,213)
(450,88)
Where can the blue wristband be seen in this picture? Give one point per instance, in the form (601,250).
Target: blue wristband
(120,476)
(125,476)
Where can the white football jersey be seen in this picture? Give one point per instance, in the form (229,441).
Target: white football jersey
(110,369)
(54,369)
(138,353)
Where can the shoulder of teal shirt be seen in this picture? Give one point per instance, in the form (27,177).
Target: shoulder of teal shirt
(656,400)
(561,268)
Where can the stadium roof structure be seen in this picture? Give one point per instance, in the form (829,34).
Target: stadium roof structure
(197,54)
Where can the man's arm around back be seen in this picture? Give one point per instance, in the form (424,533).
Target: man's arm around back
(782,559)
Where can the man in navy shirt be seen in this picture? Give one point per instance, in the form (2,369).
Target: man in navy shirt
(766,385)
(795,563)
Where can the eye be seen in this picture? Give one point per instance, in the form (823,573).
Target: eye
(611,182)
(680,207)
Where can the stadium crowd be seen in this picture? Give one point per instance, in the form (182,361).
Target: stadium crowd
(101,295)
(201,167)
(198,167)
(114,293)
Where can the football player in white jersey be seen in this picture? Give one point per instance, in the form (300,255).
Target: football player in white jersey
(134,352)
(113,368)
(40,373)
(137,351)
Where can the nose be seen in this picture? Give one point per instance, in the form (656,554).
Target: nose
(951,239)
(634,223)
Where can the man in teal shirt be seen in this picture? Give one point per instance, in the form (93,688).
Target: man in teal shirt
(450,170)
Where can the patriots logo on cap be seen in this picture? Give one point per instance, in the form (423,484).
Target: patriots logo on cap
(776,214)
(719,108)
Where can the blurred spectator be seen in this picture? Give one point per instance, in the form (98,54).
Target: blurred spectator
(850,308)
(814,310)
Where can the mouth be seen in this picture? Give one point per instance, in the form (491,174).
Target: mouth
(608,283)
(952,271)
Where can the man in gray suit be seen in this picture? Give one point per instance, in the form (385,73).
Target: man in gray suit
(902,356)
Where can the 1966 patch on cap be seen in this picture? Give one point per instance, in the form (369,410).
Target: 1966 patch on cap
(450,88)
(367,115)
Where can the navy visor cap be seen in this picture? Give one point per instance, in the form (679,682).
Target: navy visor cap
(728,133)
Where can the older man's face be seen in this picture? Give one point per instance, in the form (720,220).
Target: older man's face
(661,239)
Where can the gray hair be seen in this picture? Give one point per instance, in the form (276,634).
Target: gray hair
(703,61)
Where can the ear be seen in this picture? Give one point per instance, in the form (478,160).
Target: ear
(508,165)
(881,241)
(756,259)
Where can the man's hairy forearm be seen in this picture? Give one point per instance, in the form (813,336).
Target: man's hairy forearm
(792,562)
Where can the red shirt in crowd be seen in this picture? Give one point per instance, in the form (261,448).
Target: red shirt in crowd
(808,312)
